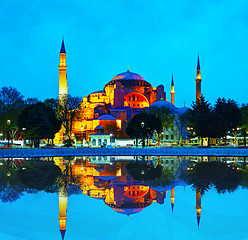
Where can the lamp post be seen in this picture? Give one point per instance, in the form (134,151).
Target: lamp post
(24,143)
(143,141)
(8,123)
(111,138)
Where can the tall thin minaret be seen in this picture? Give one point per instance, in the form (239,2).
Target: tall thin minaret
(172,91)
(198,206)
(172,198)
(198,80)
(62,72)
(62,210)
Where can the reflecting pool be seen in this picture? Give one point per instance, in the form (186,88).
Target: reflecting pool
(124,197)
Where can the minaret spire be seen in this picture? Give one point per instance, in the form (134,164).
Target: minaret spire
(172,91)
(62,50)
(198,206)
(62,72)
(172,198)
(62,210)
(198,80)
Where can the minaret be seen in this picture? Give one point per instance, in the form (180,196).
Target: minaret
(62,72)
(198,81)
(62,210)
(172,91)
(172,198)
(198,206)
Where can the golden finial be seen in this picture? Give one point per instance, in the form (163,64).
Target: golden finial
(184,104)
(128,68)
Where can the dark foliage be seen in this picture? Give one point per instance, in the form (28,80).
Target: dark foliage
(143,125)
(40,175)
(223,177)
(39,121)
(147,173)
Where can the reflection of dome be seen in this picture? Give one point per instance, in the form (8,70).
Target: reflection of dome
(182,110)
(163,103)
(106,117)
(129,79)
(129,208)
(173,184)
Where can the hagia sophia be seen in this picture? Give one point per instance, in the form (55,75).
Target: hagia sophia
(109,110)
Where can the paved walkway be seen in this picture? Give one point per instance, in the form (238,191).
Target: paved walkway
(185,151)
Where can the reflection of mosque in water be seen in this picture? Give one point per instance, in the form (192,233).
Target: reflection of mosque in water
(106,178)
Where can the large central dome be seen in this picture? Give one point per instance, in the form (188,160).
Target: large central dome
(129,79)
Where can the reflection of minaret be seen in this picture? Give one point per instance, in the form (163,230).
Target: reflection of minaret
(172,198)
(198,80)
(62,72)
(62,210)
(172,91)
(198,206)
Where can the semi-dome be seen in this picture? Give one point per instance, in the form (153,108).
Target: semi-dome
(163,103)
(182,110)
(106,117)
(129,79)
(99,127)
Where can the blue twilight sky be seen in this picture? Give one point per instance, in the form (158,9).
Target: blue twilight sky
(155,38)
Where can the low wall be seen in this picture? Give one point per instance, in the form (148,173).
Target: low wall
(56,152)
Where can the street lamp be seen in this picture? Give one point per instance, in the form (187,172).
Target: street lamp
(111,138)
(8,123)
(23,129)
(143,141)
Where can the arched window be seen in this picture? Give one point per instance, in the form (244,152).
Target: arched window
(94,142)
(105,141)
(99,142)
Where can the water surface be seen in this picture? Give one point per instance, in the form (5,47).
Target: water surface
(121,198)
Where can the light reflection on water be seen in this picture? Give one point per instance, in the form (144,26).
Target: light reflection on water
(123,197)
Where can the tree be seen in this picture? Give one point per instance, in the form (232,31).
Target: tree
(165,116)
(195,114)
(11,104)
(182,122)
(218,174)
(210,125)
(67,110)
(200,107)
(39,122)
(143,126)
(244,121)
(52,103)
(229,110)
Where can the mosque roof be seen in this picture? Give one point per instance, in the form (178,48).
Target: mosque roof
(99,127)
(106,117)
(100,91)
(129,79)
(98,134)
(163,103)
(182,110)
(173,184)
(106,178)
